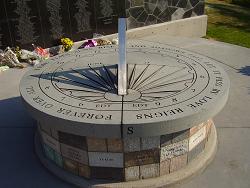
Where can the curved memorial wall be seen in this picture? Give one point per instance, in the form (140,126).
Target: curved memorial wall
(45,22)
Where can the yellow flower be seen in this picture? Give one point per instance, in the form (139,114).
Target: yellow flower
(67,43)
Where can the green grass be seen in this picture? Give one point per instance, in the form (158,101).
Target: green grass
(229,35)
(228,23)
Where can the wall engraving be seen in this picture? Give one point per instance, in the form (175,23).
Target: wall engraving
(54,7)
(25,27)
(82,17)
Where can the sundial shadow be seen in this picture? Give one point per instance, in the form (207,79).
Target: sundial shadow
(244,70)
(100,78)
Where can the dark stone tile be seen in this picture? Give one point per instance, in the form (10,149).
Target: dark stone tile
(172,10)
(136,3)
(96,144)
(127,13)
(151,20)
(194,2)
(127,4)
(182,3)
(149,7)
(162,4)
(181,135)
(169,2)
(142,157)
(156,12)
(165,16)
(188,13)
(73,140)
(151,1)
(132,23)
(159,21)
(136,11)
(175,2)
(107,173)
(142,17)
(199,8)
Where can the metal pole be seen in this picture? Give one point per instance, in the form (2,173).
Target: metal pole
(122,65)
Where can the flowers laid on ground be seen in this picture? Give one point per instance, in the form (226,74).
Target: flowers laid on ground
(17,57)
(67,44)
(88,44)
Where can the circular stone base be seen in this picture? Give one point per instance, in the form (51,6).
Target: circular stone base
(195,167)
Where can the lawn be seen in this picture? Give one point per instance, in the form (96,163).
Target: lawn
(228,23)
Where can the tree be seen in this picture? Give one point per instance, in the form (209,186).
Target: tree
(25,27)
(106,6)
(54,7)
(82,16)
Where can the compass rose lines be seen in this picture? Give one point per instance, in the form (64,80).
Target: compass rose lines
(151,76)
(89,84)
(160,79)
(163,85)
(112,80)
(137,80)
(69,81)
(71,89)
(91,79)
(150,82)
(101,77)
(176,79)
(132,75)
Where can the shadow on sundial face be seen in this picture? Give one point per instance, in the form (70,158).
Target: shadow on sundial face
(98,82)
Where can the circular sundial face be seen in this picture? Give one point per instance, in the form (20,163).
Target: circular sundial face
(169,89)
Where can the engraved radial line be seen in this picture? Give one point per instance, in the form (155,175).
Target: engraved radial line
(89,78)
(99,76)
(163,91)
(96,100)
(82,97)
(139,89)
(81,83)
(168,84)
(140,76)
(152,75)
(109,76)
(152,97)
(62,88)
(182,76)
(145,99)
(131,78)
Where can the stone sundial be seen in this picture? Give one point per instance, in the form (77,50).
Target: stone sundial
(167,91)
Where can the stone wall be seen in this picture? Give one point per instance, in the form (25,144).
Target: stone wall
(23,22)
(124,159)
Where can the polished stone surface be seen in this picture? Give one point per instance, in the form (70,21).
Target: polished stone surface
(169,90)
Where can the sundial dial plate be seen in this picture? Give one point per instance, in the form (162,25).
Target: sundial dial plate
(169,89)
